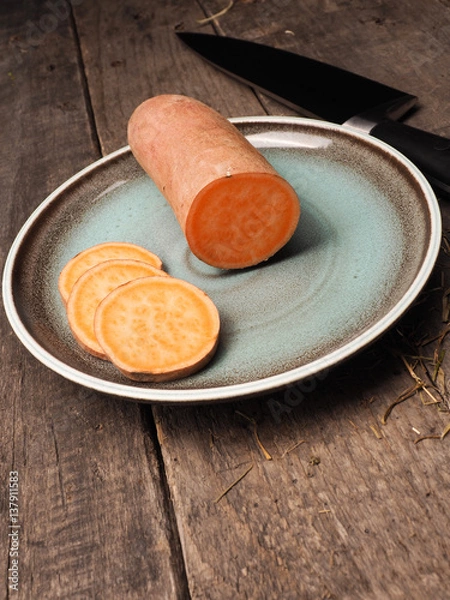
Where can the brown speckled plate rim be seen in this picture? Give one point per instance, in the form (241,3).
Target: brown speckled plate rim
(237,390)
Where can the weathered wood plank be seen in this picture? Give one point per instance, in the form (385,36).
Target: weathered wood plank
(131,52)
(354,510)
(93,511)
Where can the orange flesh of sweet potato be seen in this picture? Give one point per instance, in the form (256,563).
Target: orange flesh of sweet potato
(234,208)
(157,328)
(90,289)
(266,220)
(99,253)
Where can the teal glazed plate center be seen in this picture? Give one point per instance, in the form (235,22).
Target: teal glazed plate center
(367,241)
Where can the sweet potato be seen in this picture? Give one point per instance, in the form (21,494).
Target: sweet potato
(234,208)
(157,328)
(90,289)
(96,254)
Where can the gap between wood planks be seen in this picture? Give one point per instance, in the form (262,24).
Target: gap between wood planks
(178,558)
(85,83)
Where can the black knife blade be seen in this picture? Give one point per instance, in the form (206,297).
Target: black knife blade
(331,93)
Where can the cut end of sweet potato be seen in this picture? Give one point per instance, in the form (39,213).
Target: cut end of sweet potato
(94,255)
(242,220)
(90,289)
(157,328)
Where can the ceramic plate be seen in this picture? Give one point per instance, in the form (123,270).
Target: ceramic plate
(366,243)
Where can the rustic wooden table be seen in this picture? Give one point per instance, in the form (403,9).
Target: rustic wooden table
(348,494)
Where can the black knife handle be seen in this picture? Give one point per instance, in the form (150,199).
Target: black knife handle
(429,152)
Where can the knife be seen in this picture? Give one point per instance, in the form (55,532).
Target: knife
(327,92)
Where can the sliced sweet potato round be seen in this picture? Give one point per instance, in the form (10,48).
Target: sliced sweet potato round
(100,252)
(157,328)
(90,289)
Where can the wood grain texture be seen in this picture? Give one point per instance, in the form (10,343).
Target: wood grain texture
(131,53)
(345,507)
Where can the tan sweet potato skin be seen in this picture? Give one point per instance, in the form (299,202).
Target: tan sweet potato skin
(186,146)
(212,148)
